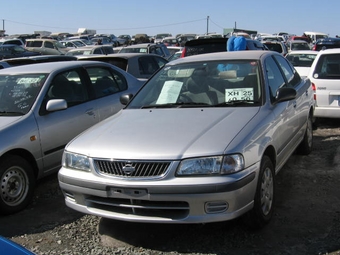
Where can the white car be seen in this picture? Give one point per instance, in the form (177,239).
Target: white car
(302,60)
(325,78)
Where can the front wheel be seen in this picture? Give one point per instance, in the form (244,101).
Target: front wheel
(17,184)
(262,211)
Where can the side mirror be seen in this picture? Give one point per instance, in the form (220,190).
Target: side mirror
(56,105)
(285,94)
(125,99)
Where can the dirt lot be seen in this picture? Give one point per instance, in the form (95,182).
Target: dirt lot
(306,219)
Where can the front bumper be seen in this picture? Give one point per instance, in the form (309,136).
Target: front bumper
(174,200)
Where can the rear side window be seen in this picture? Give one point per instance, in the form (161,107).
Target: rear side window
(37,44)
(106,82)
(327,67)
(49,45)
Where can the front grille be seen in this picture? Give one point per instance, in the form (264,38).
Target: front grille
(134,169)
(172,210)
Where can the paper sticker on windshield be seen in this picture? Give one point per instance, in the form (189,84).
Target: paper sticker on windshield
(28,80)
(239,94)
(170,92)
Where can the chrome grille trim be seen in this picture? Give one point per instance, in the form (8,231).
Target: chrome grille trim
(131,169)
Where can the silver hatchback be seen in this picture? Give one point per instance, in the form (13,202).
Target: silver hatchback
(44,106)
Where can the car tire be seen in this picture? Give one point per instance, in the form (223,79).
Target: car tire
(17,184)
(306,145)
(264,199)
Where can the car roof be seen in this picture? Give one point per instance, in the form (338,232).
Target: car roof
(37,59)
(116,55)
(240,55)
(297,41)
(41,39)
(89,47)
(47,67)
(294,52)
(330,51)
(142,45)
(10,45)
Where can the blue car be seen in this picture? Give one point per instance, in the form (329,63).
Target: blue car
(9,247)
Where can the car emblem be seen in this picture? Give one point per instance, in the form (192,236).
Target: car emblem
(128,169)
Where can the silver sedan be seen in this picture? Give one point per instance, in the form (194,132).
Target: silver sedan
(201,142)
(43,107)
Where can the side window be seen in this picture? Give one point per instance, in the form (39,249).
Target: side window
(274,76)
(69,86)
(147,65)
(98,51)
(293,78)
(152,50)
(49,45)
(105,81)
(161,62)
(108,50)
(159,51)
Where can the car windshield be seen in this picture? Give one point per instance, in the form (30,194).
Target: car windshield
(18,92)
(208,84)
(303,59)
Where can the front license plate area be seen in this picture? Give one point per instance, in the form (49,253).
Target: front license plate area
(127,193)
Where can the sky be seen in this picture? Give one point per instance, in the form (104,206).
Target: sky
(153,17)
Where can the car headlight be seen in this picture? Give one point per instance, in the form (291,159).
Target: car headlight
(76,161)
(226,164)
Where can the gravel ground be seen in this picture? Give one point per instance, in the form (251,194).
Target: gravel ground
(306,219)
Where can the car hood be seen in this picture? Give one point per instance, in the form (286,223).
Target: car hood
(303,71)
(163,134)
(7,120)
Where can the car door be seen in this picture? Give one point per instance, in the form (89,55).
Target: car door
(57,128)
(285,118)
(303,91)
(107,87)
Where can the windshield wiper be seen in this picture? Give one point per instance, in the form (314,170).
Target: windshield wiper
(238,102)
(11,113)
(176,105)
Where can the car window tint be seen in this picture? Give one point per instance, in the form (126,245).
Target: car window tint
(327,67)
(106,82)
(49,45)
(34,43)
(97,51)
(147,65)
(293,78)
(274,76)
(69,86)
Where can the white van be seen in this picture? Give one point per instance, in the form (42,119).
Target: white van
(316,36)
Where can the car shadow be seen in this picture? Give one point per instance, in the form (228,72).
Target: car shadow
(46,211)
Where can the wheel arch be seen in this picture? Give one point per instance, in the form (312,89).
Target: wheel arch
(271,153)
(26,155)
